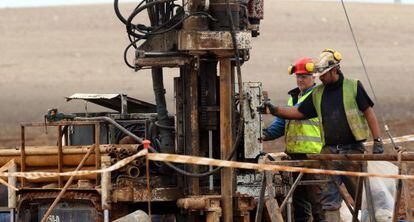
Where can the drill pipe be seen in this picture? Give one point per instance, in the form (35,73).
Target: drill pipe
(50,150)
(47,155)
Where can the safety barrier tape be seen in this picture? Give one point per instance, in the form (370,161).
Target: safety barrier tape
(209,162)
(267,167)
(36,175)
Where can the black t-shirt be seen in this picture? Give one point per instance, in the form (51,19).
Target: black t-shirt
(336,127)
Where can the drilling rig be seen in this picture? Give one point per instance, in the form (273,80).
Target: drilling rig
(207,42)
(216,117)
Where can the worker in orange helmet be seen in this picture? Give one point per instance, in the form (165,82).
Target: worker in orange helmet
(301,137)
(347,120)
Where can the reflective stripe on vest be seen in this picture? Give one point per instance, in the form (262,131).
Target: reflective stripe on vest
(355,118)
(303,136)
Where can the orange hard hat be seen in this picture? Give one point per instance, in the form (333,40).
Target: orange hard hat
(304,66)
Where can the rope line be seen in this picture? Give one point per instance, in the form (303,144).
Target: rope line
(387,130)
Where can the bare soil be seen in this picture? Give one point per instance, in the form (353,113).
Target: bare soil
(50,53)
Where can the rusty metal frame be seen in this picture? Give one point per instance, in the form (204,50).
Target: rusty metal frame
(60,146)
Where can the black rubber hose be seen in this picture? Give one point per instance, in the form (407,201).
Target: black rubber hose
(139,140)
(118,12)
(130,26)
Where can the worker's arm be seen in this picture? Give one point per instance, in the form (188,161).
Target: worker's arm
(372,122)
(375,131)
(285,112)
(275,130)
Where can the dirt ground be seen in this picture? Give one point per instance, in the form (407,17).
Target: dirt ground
(50,53)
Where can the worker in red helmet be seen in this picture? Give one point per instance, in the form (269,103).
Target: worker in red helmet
(301,137)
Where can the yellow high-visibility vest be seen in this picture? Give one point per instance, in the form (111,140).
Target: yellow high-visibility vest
(303,136)
(356,119)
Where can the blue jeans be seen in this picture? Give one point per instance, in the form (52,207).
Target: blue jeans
(331,198)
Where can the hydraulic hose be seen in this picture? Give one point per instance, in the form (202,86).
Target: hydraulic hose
(139,140)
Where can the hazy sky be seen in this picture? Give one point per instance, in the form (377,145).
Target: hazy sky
(40,3)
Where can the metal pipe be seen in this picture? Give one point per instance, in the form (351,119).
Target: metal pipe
(194,126)
(226,137)
(210,155)
(260,201)
(167,138)
(113,122)
(12,200)
(12,215)
(292,189)
(48,160)
(289,210)
(106,183)
(106,215)
(53,150)
(133,171)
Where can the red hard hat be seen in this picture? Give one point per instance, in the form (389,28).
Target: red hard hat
(304,65)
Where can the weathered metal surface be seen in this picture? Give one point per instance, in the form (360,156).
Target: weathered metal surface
(210,205)
(261,199)
(114,101)
(138,215)
(271,203)
(198,202)
(60,155)
(249,184)
(11,193)
(406,169)
(243,206)
(208,96)
(64,189)
(253,122)
(59,123)
(129,191)
(194,126)
(97,150)
(106,184)
(22,155)
(73,203)
(221,10)
(70,212)
(226,137)
(179,107)
(255,9)
(160,43)
(196,23)
(212,40)
(147,62)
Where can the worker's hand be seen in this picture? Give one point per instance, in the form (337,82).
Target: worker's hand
(378,147)
(267,104)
